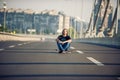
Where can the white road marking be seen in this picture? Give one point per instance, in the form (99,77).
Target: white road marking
(80,52)
(95,61)
(72,48)
(11,46)
(1,49)
(24,43)
(118,78)
(27,42)
(19,44)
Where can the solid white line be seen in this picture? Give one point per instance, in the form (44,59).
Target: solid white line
(80,52)
(72,48)
(95,61)
(1,49)
(11,46)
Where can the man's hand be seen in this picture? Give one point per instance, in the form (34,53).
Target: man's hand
(62,42)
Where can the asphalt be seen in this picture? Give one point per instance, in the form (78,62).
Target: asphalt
(40,60)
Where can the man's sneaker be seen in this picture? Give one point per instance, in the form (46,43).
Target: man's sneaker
(64,52)
(68,52)
(60,51)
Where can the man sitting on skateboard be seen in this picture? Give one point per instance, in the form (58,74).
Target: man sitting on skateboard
(63,41)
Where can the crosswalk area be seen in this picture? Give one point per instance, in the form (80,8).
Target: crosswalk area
(40,61)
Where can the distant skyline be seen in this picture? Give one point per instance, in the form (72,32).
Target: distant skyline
(75,8)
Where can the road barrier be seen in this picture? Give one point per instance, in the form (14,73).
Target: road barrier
(15,37)
(106,41)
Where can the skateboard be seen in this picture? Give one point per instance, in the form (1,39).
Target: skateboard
(69,51)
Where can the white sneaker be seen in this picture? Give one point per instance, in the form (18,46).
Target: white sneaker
(63,52)
(68,52)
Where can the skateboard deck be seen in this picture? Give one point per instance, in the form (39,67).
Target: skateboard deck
(69,51)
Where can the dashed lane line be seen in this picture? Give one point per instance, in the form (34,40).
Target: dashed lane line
(95,61)
(80,52)
(24,43)
(90,58)
(72,48)
(118,78)
(19,44)
(11,46)
(1,49)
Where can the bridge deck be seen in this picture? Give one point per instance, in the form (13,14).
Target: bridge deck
(40,61)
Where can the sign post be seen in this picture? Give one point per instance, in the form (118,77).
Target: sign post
(31,30)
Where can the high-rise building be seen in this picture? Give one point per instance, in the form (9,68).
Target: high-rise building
(24,21)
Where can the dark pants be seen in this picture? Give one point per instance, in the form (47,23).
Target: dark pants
(63,47)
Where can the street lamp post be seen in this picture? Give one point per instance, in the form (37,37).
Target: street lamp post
(4,7)
(75,28)
(81,27)
(0,27)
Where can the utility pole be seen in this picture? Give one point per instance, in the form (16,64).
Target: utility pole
(81,26)
(4,7)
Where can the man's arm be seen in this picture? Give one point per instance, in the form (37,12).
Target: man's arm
(69,41)
(58,40)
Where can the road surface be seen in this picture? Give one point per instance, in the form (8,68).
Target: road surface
(40,61)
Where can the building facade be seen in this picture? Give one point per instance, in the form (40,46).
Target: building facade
(22,21)
(42,22)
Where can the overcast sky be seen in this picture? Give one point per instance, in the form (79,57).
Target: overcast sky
(75,8)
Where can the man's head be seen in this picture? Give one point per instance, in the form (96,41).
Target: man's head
(65,31)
